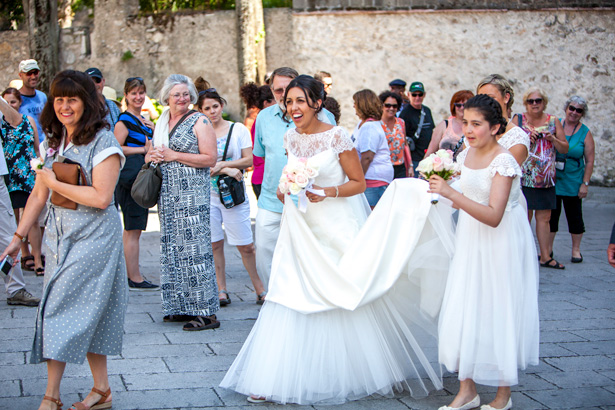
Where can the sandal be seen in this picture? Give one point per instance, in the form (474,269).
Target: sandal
(100,405)
(27,266)
(177,318)
(202,323)
(57,402)
(557,265)
(226,300)
(40,271)
(576,260)
(260,299)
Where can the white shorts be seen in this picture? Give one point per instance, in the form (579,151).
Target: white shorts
(237,223)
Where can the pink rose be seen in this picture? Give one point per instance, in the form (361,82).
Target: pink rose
(437,164)
(284,187)
(51,152)
(302,180)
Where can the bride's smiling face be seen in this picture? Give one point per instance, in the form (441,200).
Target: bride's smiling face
(300,108)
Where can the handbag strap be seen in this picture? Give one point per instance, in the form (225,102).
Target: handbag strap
(180,121)
(228,139)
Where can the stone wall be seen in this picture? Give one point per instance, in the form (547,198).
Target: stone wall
(564,51)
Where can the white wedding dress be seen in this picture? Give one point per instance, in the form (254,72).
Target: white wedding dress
(489,321)
(353,301)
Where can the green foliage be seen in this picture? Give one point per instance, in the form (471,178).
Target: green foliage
(155,6)
(267,4)
(11,12)
(127,55)
(78,5)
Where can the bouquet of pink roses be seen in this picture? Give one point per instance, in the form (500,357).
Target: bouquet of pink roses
(440,163)
(297,177)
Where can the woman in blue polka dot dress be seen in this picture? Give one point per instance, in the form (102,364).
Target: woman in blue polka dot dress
(85,294)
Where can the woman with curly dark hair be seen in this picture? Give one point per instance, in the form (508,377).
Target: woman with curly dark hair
(81,313)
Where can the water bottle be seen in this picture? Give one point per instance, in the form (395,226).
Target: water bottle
(225,194)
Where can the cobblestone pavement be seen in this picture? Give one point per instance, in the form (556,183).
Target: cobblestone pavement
(163,367)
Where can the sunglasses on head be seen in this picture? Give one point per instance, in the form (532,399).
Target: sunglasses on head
(387,105)
(534,101)
(459,105)
(131,79)
(573,109)
(209,90)
(417,94)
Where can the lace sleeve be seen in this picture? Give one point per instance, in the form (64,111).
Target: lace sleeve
(514,137)
(505,165)
(340,141)
(287,137)
(461,157)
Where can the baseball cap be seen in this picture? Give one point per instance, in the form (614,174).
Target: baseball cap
(28,65)
(397,82)
(417,86)
(94,72)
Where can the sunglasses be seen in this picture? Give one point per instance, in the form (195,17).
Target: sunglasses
(32,72)
(391,105)
(573,109)
(417,94)
(209,90)
(459,105)
(96,80)
(531,101)
(131,79)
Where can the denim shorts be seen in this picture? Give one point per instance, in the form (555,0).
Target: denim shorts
(373,194)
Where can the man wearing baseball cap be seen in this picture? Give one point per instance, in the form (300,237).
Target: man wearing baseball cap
(398,86)
(419,122)
(32,100)
(113,113)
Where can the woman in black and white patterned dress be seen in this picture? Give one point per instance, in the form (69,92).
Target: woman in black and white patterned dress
(185,146)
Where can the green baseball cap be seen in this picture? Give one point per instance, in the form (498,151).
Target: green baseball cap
(417,86)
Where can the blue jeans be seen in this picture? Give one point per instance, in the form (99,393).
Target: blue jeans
(373,194)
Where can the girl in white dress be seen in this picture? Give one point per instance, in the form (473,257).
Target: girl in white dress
(353,302)
(489,318)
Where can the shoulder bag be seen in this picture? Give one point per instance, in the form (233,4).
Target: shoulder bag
(236,187)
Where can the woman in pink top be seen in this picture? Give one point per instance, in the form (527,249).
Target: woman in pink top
(256,98)
(448,134)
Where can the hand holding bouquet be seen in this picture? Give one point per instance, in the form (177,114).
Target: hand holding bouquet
(297,177)
(439,163)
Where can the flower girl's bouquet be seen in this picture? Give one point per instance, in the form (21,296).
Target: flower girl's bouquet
(297,178)
(440,163)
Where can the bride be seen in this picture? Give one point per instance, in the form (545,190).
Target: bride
(353,302)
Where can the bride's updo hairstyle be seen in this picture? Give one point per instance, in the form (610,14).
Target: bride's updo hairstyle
(490,109)
(313,90)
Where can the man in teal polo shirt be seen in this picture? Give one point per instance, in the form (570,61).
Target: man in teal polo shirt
(269,143)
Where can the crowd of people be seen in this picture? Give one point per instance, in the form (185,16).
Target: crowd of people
(342,277)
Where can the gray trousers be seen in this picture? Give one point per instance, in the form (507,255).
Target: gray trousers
(14,281)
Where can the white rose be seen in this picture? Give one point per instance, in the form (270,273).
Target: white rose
(302,180)
(294,188)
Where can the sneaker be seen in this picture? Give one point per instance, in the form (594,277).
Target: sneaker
(24,298)
(145,285)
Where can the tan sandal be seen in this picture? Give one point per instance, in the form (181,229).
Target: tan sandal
(102,404)
(57,402)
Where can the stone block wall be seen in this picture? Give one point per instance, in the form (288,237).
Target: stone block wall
(565,52)
(317,5)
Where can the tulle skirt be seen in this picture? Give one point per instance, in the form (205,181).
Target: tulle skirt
(489,319)
(336,356)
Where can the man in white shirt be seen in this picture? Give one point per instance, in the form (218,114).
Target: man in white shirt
(14,282)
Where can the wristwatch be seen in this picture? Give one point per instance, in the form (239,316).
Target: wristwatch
(586,183)
(21,238)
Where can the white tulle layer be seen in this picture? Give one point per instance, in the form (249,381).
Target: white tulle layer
(489,319)
(336,356)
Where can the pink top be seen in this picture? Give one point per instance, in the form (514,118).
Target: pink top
(259,163)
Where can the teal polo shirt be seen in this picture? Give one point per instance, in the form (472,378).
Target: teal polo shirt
(269,144)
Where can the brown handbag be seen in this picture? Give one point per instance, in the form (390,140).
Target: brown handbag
(69,174)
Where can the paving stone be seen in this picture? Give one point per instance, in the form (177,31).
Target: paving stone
(14,358)
(11,388)
(156,399)
(70,385)
(199,364)
(225,349)
(31,402)
(576,324)
(590,348)
(144,339)
(594,335)
(164,350)
(582,363)
(583,397)
(180,380)
(554,350)
(576,379)
(560,337)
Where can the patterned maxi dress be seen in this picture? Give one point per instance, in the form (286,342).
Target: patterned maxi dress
(85,292)
(187,272)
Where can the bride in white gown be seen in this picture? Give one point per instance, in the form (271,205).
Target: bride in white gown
(353,301)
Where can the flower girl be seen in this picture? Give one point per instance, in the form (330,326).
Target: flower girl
(489,318)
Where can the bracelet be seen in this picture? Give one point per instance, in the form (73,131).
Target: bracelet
(337,191)
(21,237)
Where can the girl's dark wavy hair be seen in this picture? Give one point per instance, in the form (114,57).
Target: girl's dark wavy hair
(490,109)
(313,89)
(71,83)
